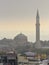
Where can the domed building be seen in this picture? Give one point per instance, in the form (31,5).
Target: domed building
(21,39)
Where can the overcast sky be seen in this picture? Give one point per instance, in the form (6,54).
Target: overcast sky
(18,16)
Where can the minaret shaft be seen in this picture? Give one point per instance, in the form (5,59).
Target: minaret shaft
(37,31)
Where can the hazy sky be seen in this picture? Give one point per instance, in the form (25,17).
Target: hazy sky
(18,16)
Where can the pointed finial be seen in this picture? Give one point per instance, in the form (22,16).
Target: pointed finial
(37,13)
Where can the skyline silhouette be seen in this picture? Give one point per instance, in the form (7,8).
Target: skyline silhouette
(20,16)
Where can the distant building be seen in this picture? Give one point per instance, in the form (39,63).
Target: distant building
(21,39)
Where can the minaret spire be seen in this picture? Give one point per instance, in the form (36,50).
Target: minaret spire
(37,30)
(37,13)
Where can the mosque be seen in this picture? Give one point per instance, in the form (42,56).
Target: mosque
(21,38)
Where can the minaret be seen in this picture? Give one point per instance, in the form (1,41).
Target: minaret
(37,31)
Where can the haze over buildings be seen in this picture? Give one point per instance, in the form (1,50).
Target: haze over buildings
(19,16)
(20,42)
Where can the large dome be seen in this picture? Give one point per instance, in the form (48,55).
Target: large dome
(21,38)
